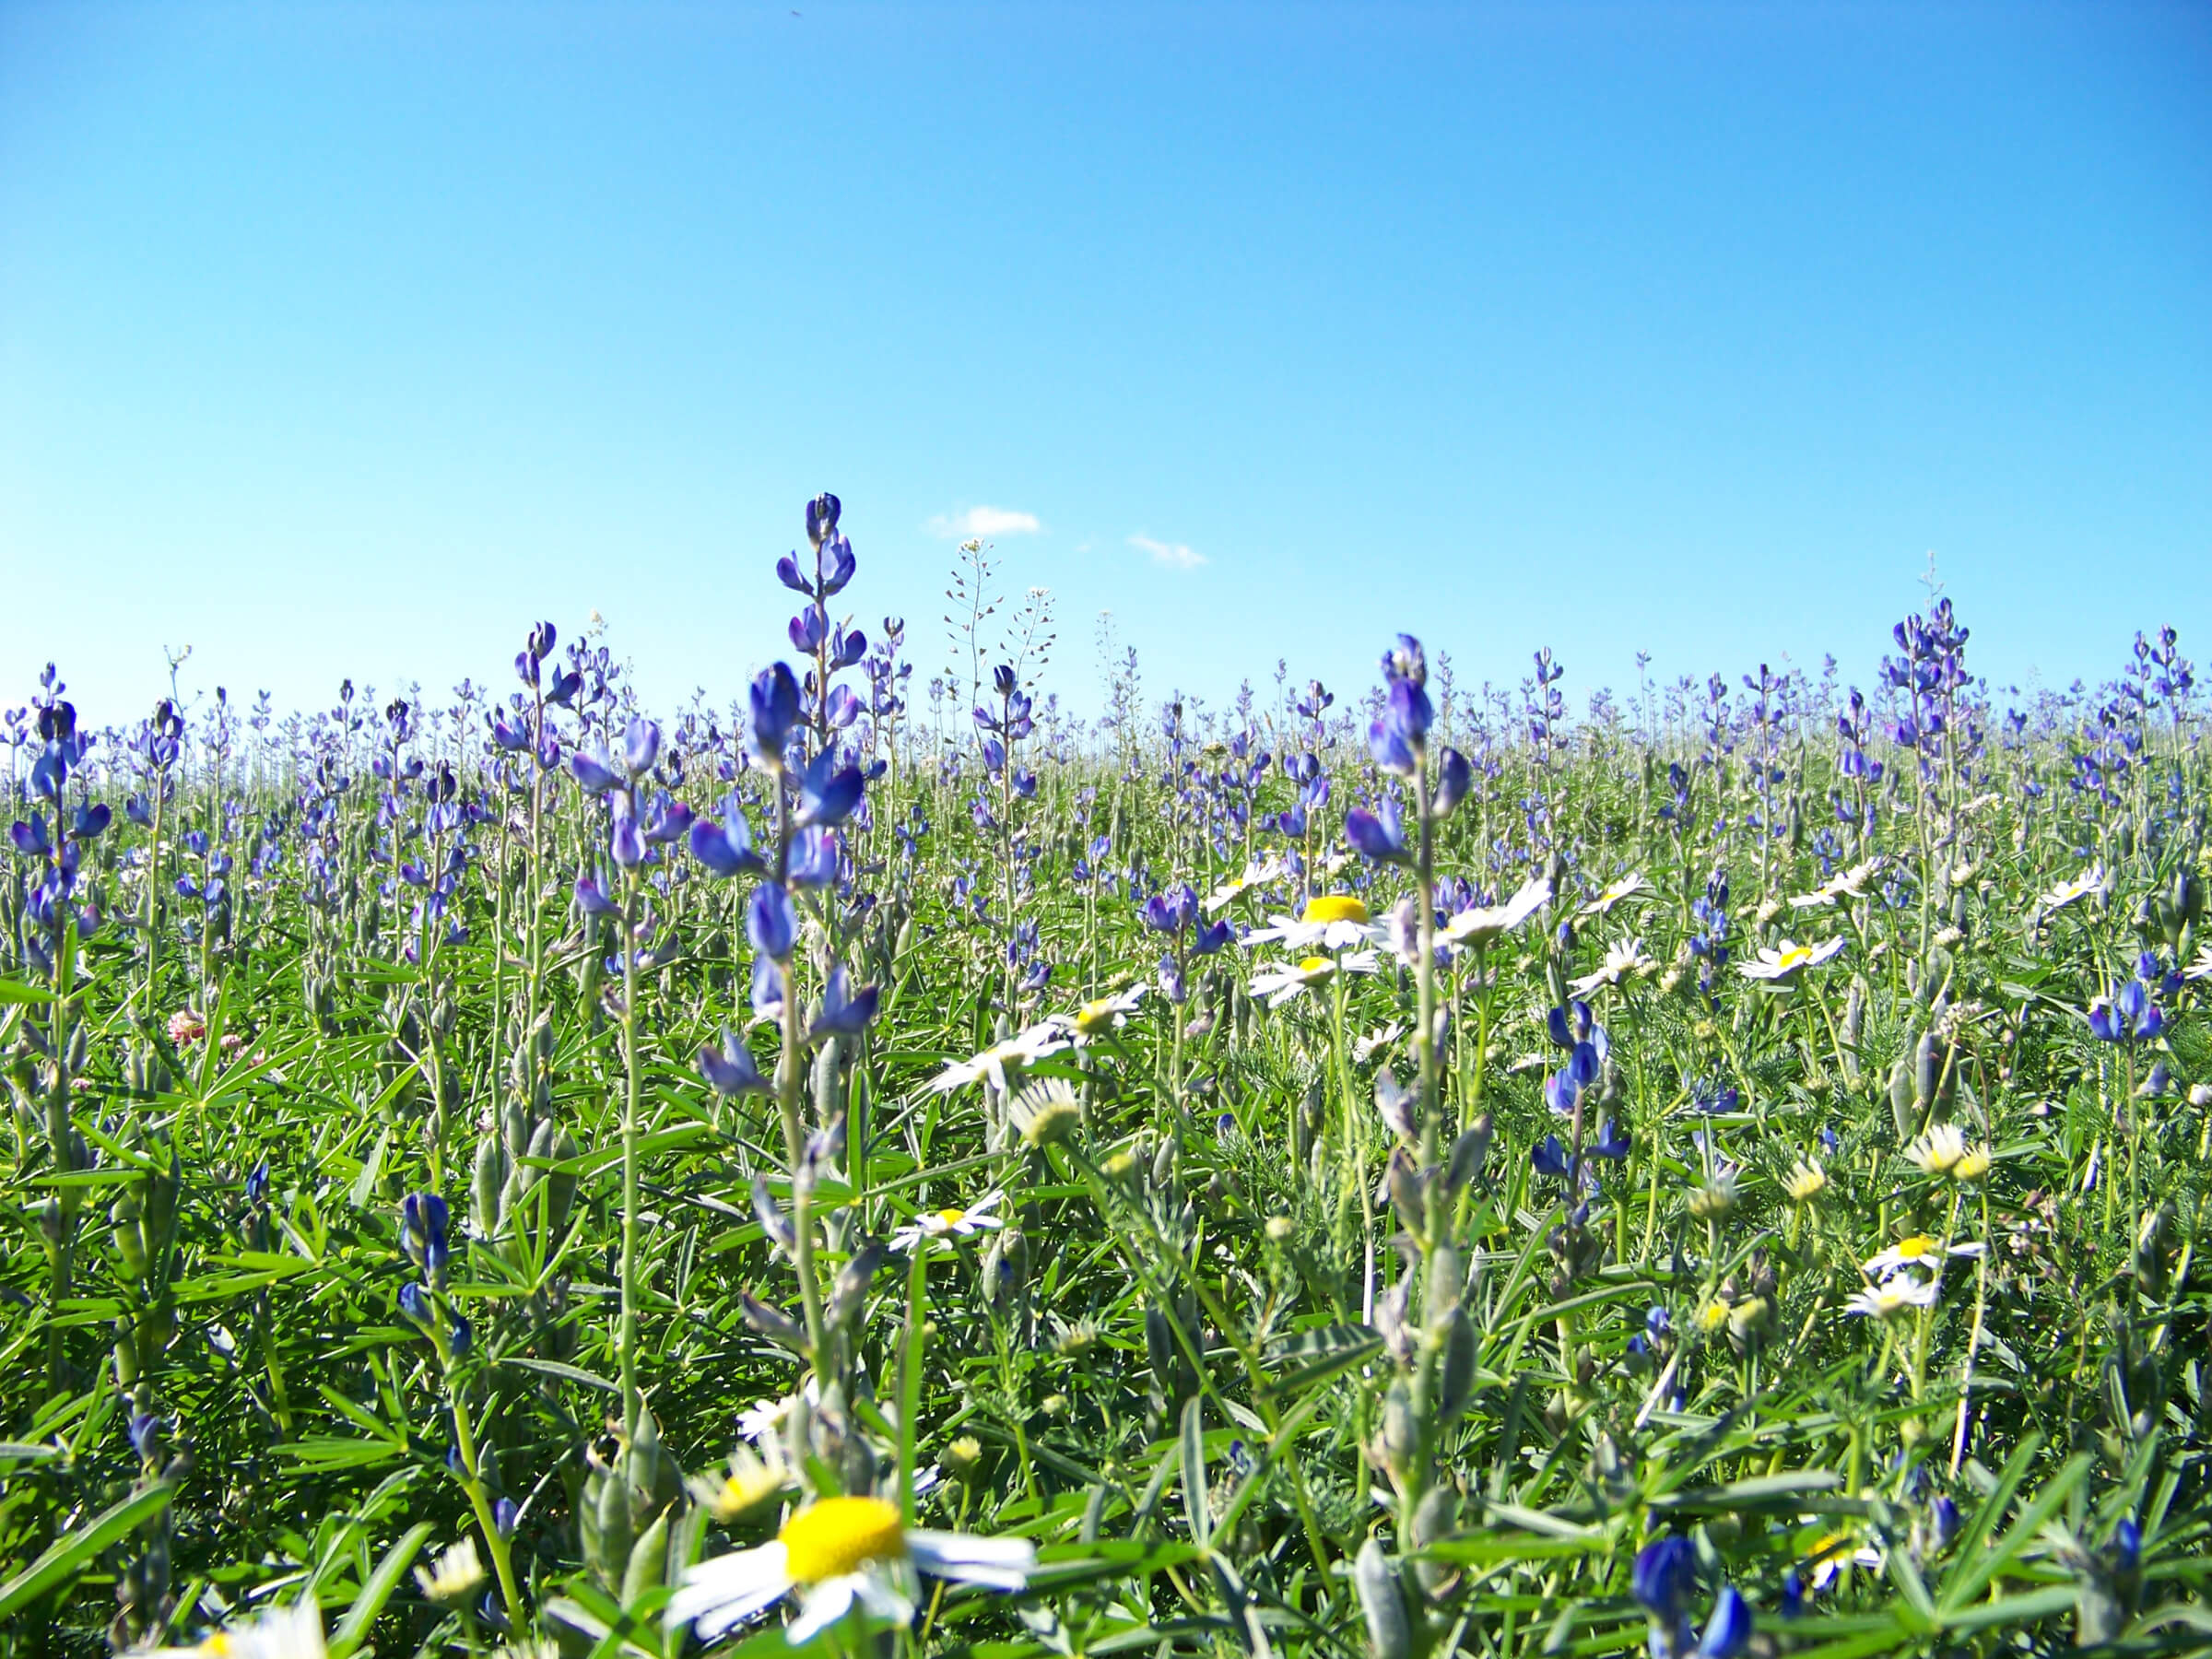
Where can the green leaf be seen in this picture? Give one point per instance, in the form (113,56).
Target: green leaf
(67,1553)
(353,1630)
(1193,1471)
(1313,1357)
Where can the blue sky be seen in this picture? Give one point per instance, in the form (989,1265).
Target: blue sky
(351,338)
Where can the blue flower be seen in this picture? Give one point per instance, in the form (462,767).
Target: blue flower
(1728,1631)
(810,628)
(813,861)
(593,773)
(1660,1581)
(1549,1157)
(591,897)
(768,922)
(1454,777)
(1610,1143)
(626,845)
(1379,835)
(730,1069)
(767,988)
(772,710)
(827,792)
(1171,911)
(726,849)
(842,1009)
(640,745)
(413,1304)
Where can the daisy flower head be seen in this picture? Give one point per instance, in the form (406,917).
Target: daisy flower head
(1899,1293)
(453,1575)
(748,1482)
(2202,967)
(293,1631)
(1481,924)
(1844,884)
(1328,921)
(1288,980)
(2068,892)
(1011,1054)
(1259,873)
(1806,1181)
(1919,1250)
(1046,1113)
(1628,886)
(1781,965)
(932,1225)
(833,1553)
(1943,1151)
(1100,1015)
(1623,961)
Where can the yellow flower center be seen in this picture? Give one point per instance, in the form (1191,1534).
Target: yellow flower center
(951,1218)
(1915,1247)
(1335,907)
(1315,965)
(1796,956)
(1094,1017)
(833,1538)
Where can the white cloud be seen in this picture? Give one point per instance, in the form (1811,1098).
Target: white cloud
(984,521)
(1176,554)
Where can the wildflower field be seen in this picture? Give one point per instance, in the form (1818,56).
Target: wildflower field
(1399,1168)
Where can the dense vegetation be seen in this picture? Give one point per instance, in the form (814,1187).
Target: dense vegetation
(1411,1173)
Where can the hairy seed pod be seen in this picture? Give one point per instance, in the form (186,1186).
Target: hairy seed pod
(1389,1633)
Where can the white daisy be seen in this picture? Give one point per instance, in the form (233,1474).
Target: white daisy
(1945,1150)
(749,1482)
(1623,960)
(949,1223)
(1897,1294)
(2067,892)
(1260,872)
(833,1553)
(1628,886)
(1919,1250)
(449,1579)
(1477,926)
(1015,1051)
(1287,981)
(1844,884)
(1099,1016)
(1330,922)
(1784,965)
(294,1632)
(2202,967)
(764,1417)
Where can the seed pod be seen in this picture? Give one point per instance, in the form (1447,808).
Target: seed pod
(1389,1634)
(130,1238)
(1467,1154)
(647,1566)
(1901,1109)
(486,1184)
(603,1524)
(1164,1163)
(1401,1433)
(1455,1373)
(561,1184)
(1160,1351)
